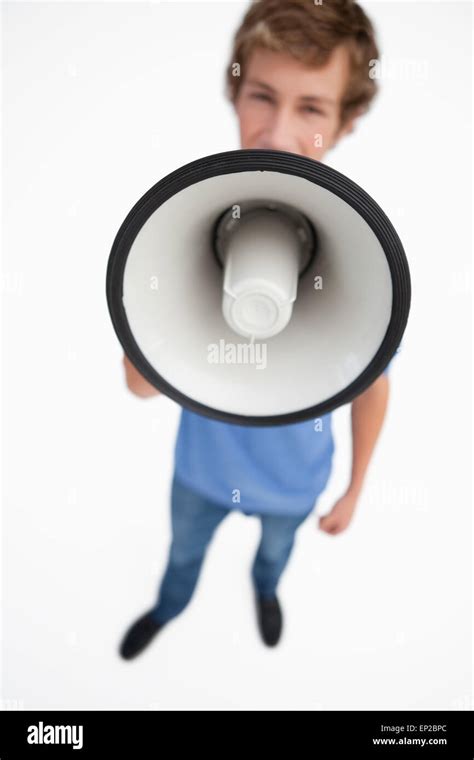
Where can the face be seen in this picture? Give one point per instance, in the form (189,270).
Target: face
(285,105)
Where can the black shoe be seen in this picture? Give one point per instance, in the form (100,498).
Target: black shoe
(270,619)
(139,635)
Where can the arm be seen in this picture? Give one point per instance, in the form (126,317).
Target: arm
(367,416)
(136,383)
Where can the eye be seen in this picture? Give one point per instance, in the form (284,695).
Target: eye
(260,96)
(312,109)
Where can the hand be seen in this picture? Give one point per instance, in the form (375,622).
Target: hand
(136,382)
(340,515)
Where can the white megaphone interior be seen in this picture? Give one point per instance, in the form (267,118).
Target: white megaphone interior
(262,252)
(173,292)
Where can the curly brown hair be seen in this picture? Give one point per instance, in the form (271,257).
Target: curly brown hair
(310,31)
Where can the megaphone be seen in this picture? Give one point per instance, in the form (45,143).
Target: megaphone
(258,287)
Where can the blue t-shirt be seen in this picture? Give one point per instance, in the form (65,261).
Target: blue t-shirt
(278,470)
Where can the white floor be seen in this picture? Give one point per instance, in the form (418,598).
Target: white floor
(376,618)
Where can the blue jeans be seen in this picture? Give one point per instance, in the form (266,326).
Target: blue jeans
(193,521)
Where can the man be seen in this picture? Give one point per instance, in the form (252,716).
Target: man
(298,79)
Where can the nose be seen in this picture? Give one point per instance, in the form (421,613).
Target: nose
(279,133)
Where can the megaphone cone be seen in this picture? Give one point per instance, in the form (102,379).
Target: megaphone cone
(258,287)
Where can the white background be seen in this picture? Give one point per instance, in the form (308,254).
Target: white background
(101,100)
